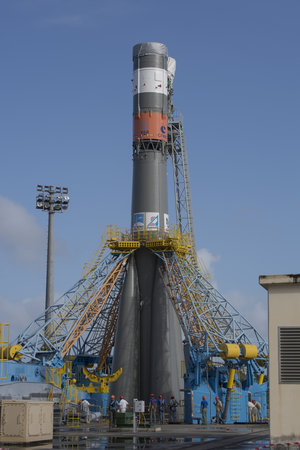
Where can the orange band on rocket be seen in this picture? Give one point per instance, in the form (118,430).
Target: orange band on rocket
(150,125)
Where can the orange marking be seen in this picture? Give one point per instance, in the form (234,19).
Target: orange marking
(150,125)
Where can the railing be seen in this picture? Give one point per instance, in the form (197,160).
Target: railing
(73,416)
(50,395)
(4,350)
(96,257)
(160,237)
(70,396)
(53,376)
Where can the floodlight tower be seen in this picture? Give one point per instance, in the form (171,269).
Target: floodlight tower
(51,199)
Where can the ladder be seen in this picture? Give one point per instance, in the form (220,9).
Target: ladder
(182,188)
(236,402)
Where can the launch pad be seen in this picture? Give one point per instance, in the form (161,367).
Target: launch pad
(144,317)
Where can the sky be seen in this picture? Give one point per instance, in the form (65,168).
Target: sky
(66,120)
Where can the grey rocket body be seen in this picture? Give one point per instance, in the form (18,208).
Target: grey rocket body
(148,344)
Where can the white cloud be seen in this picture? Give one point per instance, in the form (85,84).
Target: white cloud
(255,310)
(20,314)
(21,237)
(208,260)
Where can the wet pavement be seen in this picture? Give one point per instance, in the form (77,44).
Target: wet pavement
(177,436)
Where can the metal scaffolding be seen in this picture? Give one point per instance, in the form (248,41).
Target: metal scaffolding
(207,318)
(72,326)
(83,321)
(182,189)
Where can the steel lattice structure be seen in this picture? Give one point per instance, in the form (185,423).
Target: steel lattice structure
(83,320)
(182,189)
(78,319)
(206,317)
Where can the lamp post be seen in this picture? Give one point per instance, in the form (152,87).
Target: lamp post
(51,199)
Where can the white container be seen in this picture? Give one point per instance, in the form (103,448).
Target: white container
(26,421)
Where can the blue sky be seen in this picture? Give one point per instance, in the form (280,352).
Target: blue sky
(65,119)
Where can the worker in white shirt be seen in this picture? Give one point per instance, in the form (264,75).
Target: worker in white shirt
(251,412)
(84,407)
(123,404)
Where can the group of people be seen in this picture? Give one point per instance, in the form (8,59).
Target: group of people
(204,406)
(155,406)
(160,406)
(254,411)
(116,406)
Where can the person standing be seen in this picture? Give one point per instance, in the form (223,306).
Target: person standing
(113,406)
(84,407)
(258,410)
(254,412)
(123,404)
(251,413)
(152,409)
(203,408)
(173,409)
(219,409)
(161,409)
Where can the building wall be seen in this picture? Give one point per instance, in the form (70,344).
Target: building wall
(284,311)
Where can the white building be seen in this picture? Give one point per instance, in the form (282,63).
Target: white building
(284,356)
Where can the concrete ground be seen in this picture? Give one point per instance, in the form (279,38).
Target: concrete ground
(177,436)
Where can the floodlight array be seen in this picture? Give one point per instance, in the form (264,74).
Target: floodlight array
(52,199)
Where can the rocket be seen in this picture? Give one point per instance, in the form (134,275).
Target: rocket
(150,135)
(148,344)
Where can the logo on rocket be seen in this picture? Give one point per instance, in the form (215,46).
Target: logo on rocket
(152,220)
(139,220)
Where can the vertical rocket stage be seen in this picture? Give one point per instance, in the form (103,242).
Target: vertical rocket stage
(148,343)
